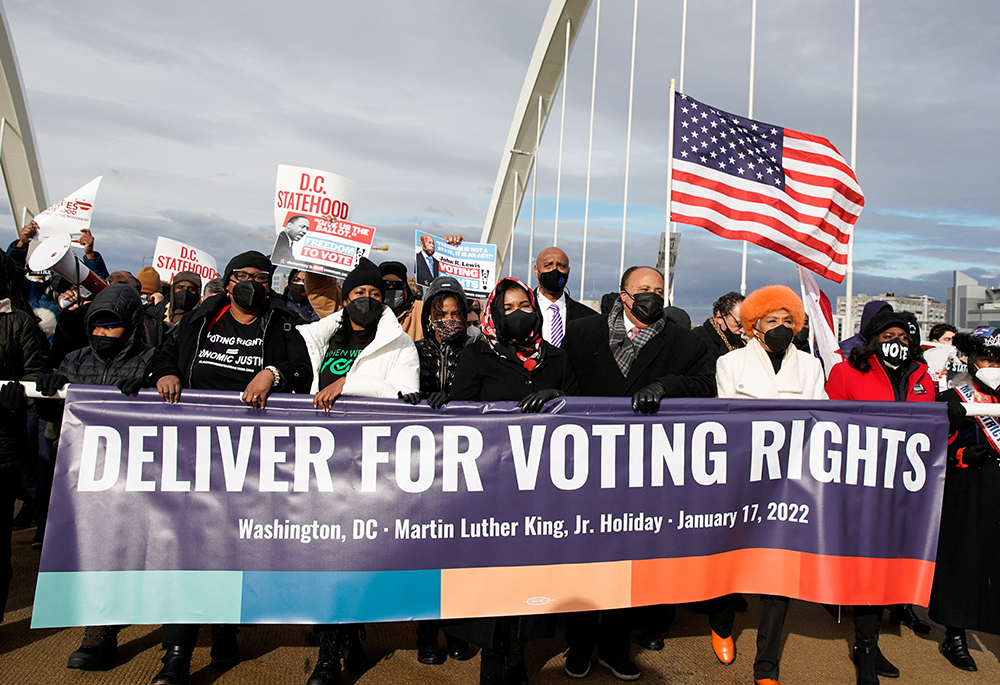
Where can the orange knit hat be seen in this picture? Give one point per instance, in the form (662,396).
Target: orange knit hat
(771,298)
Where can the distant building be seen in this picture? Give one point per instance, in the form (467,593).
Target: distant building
(927,310)
(971,305)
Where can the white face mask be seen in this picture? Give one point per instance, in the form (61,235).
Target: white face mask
(989,376)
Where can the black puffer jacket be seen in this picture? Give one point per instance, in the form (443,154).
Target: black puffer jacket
(439,360)
(86,366)
(284,348)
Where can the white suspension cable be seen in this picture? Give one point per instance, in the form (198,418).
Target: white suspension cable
(562,130)
(590,150)
(848,330)
(513,224)
(628,135)
(534,191)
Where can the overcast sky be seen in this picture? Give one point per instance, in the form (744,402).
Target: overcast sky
(187,109)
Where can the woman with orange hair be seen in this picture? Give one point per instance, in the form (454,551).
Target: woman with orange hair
(769,367)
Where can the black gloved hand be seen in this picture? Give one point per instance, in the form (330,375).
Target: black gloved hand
(436,400)
(410,397)
(130,386)
(647,400)
(956,414)
(976,455)
(12,396)
(49,383)
(533,403)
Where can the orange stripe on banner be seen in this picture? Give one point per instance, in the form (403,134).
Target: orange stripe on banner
(519,590)
(812,577)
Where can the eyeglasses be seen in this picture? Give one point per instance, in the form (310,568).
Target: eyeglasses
(393,285)
(260,276)
(738,325)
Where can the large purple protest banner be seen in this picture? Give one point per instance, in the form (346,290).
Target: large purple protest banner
(209,511)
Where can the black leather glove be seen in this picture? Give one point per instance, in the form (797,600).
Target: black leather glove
(436,400)
(533,403)
(12,396)
(976,455)
(49,383)
(647,400)
(130,386)
(956,414)
(410,397)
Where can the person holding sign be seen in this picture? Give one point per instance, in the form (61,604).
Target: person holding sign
(243,340)
(965,594)
(510,363)
(769,367)
(887,367)
(359,350)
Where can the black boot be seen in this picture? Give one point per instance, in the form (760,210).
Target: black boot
(884,667)
(515,672)
(327,671)
(956,650)
(25,515)
(866,661)
(98,650)
(225,650)
(459,650)
(176,667)
(428,650)
(490,667)
(355,659)
(904,614)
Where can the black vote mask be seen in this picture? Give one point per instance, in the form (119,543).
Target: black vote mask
(106,346)
(249,295)
(553,281)
(647,307)
(297,293)
(778,339)
(893,351)
(520,324)
(364,311)
(185,300)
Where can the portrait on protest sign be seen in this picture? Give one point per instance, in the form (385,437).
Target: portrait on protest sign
(311,211)
(473,264)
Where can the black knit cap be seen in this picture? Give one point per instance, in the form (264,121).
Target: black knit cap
(364,273)
(253,259)
(884,321)
(394,268)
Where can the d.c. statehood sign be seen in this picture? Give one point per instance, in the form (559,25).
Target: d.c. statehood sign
(208,511)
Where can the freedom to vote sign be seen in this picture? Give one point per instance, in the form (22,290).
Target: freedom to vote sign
(207,511)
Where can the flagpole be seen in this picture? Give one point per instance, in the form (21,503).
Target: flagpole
(753,59)
(590,151)
(628,135)
(848,330)
(670,170)
(672,227)
(562,130)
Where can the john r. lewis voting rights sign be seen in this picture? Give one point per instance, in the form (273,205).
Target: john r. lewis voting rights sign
(207,511)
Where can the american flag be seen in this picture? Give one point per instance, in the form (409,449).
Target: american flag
(742,179)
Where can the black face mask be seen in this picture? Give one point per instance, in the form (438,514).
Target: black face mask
(520,325)
(893,351)
(396,299)
(553,281)
(803,335)
(364,311)
(647,307)
(106,346)
(249,295)
(297,293)
(778,339)
(185,300)
(735,339)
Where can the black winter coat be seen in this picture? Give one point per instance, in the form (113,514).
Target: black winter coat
(23,357)
(483,375)
(676,357)
(284,348)
(438,362)
(966,590)
(86,366)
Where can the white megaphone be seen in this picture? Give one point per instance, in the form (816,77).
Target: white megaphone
(56,254)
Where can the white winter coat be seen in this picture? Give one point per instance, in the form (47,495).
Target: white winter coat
(747,373)
(387,366)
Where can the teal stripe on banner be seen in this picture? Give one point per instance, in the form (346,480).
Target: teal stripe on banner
(315,597)
(100,598)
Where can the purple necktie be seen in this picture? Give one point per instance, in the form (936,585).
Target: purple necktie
(557,326)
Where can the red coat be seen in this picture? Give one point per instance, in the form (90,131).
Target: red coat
(847,383)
